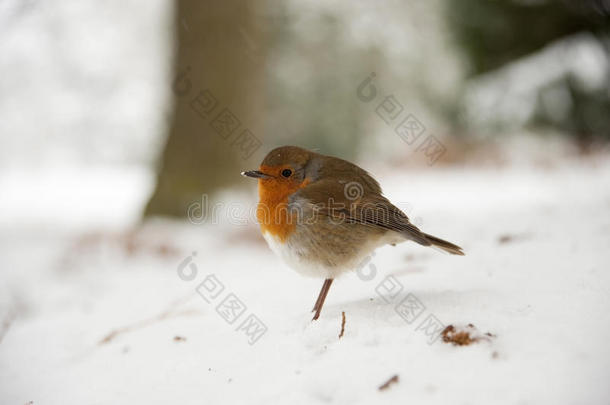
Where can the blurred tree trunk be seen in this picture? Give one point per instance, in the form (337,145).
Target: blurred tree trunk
(217,90)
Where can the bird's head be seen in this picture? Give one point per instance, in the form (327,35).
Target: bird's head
(284,171)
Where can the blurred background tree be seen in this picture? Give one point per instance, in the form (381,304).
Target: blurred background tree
(219,64)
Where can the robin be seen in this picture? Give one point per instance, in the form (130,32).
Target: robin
(323,215)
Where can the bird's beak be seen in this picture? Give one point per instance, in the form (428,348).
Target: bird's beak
(256,174)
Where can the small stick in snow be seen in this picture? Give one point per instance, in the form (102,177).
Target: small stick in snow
(144,323)
(386,385)
(168,313)
(342,324)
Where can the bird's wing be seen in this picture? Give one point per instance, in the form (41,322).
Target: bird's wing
(357,202)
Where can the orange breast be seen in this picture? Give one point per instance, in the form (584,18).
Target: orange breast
(275,219)
(272,212)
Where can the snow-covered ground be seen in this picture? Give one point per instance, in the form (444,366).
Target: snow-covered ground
(102,315)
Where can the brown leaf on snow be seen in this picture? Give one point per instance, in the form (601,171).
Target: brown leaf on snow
(464,336)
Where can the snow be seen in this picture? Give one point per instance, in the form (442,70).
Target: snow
(63,196)
(543,292)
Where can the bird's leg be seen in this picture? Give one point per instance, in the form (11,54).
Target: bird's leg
(320,301)
(322,294)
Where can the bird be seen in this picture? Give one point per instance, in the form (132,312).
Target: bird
(323,215)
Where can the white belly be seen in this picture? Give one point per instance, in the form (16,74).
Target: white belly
(290,255)
(294,258)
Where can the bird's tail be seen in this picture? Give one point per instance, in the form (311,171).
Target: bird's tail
(443,244)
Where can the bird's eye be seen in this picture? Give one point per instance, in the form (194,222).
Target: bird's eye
(286,172)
